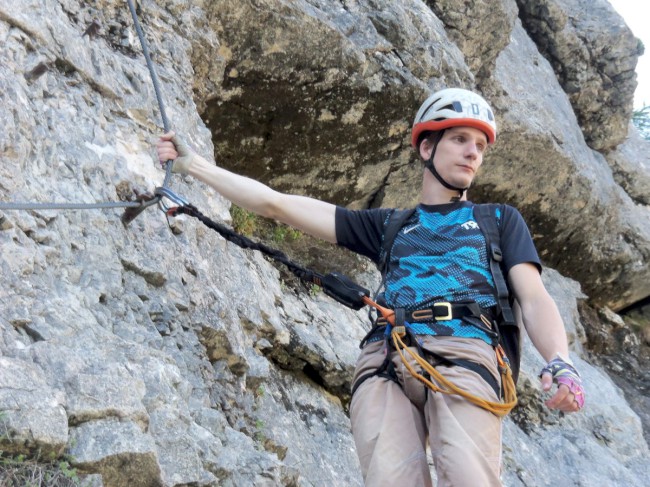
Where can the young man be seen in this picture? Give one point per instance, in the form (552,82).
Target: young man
(438,257)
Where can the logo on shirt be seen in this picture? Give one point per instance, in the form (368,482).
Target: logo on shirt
(410,229)
(469,225)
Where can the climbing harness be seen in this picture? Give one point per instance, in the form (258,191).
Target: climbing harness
(397,329)
(445,386)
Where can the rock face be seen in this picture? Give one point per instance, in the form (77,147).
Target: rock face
(594,62)
(162,355)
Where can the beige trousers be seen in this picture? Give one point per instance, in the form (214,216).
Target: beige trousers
(391,424)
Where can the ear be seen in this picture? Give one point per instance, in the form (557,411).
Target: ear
(425,149)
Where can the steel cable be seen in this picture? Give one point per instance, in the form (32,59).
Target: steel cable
(141,205)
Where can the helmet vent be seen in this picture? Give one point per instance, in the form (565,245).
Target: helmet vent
(429,108)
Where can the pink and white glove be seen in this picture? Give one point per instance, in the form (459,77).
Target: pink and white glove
(565,373)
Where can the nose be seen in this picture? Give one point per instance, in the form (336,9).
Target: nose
(471,150)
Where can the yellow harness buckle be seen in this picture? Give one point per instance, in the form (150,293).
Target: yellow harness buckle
(445,305)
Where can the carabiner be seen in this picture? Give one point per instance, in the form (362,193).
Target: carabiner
(167,193)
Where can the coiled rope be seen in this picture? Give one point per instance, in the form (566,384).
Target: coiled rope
(445,386)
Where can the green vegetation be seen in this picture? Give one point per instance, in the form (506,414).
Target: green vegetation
(19,470)
(282,233)
(249,224)
(641,119)
(243,221)
(303,249)
(259,431)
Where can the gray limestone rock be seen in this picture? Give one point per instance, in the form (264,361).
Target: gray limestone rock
(594,62)
(158,354)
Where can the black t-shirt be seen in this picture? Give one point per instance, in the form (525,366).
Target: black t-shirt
(439,254)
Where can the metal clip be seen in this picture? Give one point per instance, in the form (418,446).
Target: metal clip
(447,306)
(166,193)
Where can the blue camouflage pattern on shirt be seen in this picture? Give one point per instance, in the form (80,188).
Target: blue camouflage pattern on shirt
(439,256)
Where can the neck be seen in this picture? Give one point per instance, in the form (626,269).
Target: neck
(434,193)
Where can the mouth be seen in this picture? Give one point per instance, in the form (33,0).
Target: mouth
(468,169)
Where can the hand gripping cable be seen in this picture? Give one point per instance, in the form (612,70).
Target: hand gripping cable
(143,200)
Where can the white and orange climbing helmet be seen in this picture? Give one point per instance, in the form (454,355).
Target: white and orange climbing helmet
(453,107)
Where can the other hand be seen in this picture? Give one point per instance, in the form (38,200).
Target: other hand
(570,395)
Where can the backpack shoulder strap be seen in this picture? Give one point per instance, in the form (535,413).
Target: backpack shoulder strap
(488,217)
(396,221)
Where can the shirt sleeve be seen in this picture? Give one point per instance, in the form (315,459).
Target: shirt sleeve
(361,231)
(517,244)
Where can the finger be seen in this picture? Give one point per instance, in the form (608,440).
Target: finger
(161,144)
(560,398)
(167,154)
(168,136)
(166,147)
(175,139)
(547,381)
(181,146)
(569,405)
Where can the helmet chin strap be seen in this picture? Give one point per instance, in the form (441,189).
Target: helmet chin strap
(432,168)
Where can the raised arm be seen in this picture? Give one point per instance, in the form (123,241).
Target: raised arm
(309,215)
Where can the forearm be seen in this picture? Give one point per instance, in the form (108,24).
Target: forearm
(544,326)
(540,314)
(245,192)
(307,214)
